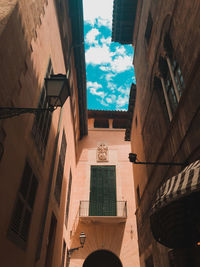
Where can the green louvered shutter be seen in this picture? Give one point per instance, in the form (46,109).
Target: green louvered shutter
(103,191)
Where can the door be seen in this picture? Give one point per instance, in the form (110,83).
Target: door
(102,191)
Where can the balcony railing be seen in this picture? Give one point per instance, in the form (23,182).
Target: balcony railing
(108,209)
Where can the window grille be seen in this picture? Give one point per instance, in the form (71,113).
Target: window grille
(149,261)
(63,253)
(2,139)
(42,122)
(171,93)
(103,191)
(60,170)
(68,198)
(149,28)
(22,213)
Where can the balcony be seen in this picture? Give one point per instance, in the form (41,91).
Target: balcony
(110,212)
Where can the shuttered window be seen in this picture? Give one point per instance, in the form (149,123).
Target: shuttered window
(42,122)
(21,218)
(68,198)
(60,170)
(149,28)
(63,253)
(149,262)
(103,191)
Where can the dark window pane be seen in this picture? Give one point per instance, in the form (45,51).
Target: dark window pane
(25,180)
(103,191)
(149,262)
(17,216)
(68,198)
(59,177)
(25,225)
(22,213)
(148,28)
(63,253)
(101,123)
(32,192)
(42,123)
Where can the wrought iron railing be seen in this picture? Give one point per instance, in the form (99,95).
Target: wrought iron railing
(117,208)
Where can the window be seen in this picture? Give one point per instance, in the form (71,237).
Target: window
(63,253)
(158,87)
(51,241)
(172,83)
(120,123)
(148,28)
(171,256)
(178,76)
(149,262)
(42,122)
(171,92)
(138,194)
(101,123)
(68,198)
(21,217)
(103,191)
(2,139)
(60,170)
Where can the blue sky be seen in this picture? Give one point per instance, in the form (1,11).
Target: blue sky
(109,66)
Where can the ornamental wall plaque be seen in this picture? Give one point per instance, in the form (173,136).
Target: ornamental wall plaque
(102,152)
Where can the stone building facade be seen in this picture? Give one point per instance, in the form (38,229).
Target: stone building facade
(165,123)
(57,177)
(38,153)
(102,200)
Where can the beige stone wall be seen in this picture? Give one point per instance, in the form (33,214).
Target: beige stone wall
(155,138)
(119,238)
(29,38)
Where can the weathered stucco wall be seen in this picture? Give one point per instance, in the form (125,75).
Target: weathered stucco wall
(119,238)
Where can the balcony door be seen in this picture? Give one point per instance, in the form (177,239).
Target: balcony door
(102,191)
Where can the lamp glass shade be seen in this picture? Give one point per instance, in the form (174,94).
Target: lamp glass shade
(57,89)
(82,238)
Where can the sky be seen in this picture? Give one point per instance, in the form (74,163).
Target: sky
(109,68)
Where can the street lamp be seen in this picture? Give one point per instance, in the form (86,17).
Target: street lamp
(57,92)
(134,160)
(82,238)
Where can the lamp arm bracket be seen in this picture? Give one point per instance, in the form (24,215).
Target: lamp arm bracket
(134,160)
(9,112)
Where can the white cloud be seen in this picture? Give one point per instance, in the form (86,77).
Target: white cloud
(98,55)
(93,87)
(121,63)
(121,101)
(91,36)
(112,86)
(116,61)
(120,50)
(104,40)
(110,76)
(98,10)
(103,103)
(111,99)
(104,22)
(124,91)
(105,68)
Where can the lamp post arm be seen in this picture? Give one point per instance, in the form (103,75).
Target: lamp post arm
(8,112)
(73,249)
(134,160)
(159,163)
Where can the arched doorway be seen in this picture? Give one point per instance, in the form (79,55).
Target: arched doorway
(102,258)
